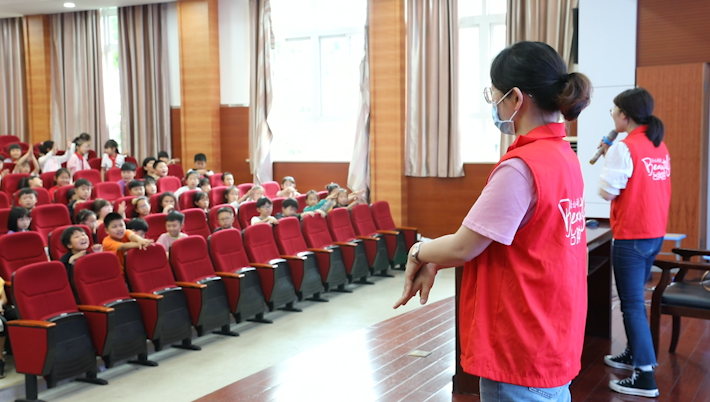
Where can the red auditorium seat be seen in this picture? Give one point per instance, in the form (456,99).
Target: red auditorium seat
(16,251)
(407,235)
(315,232)
(56,248)
(23,145)
(130,208)
(156,225)
(322,194)
(196,223)
(308,263)
(244,188)
(91,154)
(10,166)
(94,176)
(106,287)
(246,298)
(109,191)
(6,140)
(217,196)
(42,196)
(341,230)
(247,210)
(114,175)
(4,200)
(148,272)
(168,183)
(375,240)
(185,199)
(154,206)
(271,188)
(82,205)
(176,170)
(274,272)
(140,172)
(213,217)
(46,218)
(204,289)
(47,180)
(95,163)
(216,180)
(278,205)
(4,214)
(53,338)
(11,182)
(301,202)
(60,196)
(132,160)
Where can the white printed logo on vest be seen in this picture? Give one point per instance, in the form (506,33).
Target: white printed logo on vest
(573,215)
(658,168)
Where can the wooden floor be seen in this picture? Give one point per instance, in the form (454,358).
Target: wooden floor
(373,365)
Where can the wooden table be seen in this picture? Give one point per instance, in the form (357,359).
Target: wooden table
(598,296)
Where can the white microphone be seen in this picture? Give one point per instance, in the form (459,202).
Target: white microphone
(600,151)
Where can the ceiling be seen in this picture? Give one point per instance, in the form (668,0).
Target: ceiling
(18,8)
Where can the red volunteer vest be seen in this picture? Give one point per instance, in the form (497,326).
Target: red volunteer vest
(641,210)
(523,307)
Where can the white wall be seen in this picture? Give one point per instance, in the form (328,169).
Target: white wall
(173,55)
(607,55)
(234,52)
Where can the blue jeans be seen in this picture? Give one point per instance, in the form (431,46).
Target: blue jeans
(494,391)
(632,261)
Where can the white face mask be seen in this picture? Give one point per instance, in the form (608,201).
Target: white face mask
(505,126)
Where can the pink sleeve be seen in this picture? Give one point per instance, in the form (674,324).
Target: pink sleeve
(71,164)
(163,241)
(506,203)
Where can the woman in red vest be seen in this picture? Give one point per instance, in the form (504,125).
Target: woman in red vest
(523,299)
(637,180)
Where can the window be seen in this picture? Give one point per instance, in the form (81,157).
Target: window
(481,38)
(316,85)
(111,73)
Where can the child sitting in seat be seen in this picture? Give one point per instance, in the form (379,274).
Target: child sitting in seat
(141,207)
(231,196)
(205,185)
(289,208)
(254,194)
(7,313)
(314,203)
(201,165)
(138,226)
(88,218)
(77,242)
(227,179)
(150,186)
(27,198)
(202,201)
(111,157)
(78,160)
(192,180)
(82,193)
(167,202)
(120,240)
(49,161)
(62,178)
(128,173)
(174,223)
(225,217)
(160,170)
(163,156)
(3,172)
(264,208)
(148,164)
(25,163)
(31,182)
(18,220)
(288,188)
(347,201)
(15,151)
(136,188)
(102,208)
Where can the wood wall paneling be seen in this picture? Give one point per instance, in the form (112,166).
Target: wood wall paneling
(681,102)
(673,32)
(199,81)
(234,138)
(176,137)
(313,175)
(38,74)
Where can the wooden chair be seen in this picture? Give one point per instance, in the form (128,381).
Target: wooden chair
(681,298)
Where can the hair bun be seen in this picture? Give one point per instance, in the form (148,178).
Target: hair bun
(575,95)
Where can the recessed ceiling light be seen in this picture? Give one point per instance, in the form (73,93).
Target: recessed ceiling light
(69,5)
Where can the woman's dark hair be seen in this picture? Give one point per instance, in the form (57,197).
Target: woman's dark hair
(539,71)
(46,146)
(198,196)
(637,104)
(15,214)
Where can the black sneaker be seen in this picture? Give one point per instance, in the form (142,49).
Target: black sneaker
(641,383)
(623,361)
(2,368)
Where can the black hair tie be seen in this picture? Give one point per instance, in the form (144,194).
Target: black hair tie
(564,77)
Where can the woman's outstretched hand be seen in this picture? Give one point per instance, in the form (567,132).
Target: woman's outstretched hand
(418,278)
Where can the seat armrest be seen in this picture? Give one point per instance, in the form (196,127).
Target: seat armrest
(345,243)
(388,232)
(260,265)
(191,285)
(146,296)
(244,270)
(688,253)
(368,238)
(406,228)
(229,275)
(94,309)
(668,265)
(31,323)
(292,257)
(320,250)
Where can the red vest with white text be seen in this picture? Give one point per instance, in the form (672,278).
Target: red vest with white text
(641,209)
(523,307)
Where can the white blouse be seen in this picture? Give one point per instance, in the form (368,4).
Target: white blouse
(618,168)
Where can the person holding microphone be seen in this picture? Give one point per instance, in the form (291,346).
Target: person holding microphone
(636,178)
(523,298)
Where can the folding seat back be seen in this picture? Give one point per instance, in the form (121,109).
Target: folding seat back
(60,196)
(11,182)
(217,195)
(82,205)
(301,202)
(4,214)
(132,160)
(380,211)
(56,248)
(42,197)
(148,271)
(47,180)
(322,194)
(288,236)
(185,199)
(205,291)
(94,176)
(362,221)
(339,225)
(18,250)
(341,230)
(278,205)
(130,208)
(61,346)
(23,145)
(10,166)
(176,170)
(155,205)
(91,154)
(113,175)
(95,163)
(46,218)
(4,200)
(106,287)
(380,253)
(316,236)
(308,276)
(213,217)
(274,272)
(168,183)
(7,140)
(227,251)
(315,232)
(260,244)
(156,225)
(271,188)
(244,188)
(196,223)
(216,180)
(109,191)
(247,210)
(101,233)
(140,172)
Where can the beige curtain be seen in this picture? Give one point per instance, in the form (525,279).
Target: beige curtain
(13,101)
(432,135)
(261,95)
(77,90)
(145,96)
(548,21)
(359,169)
